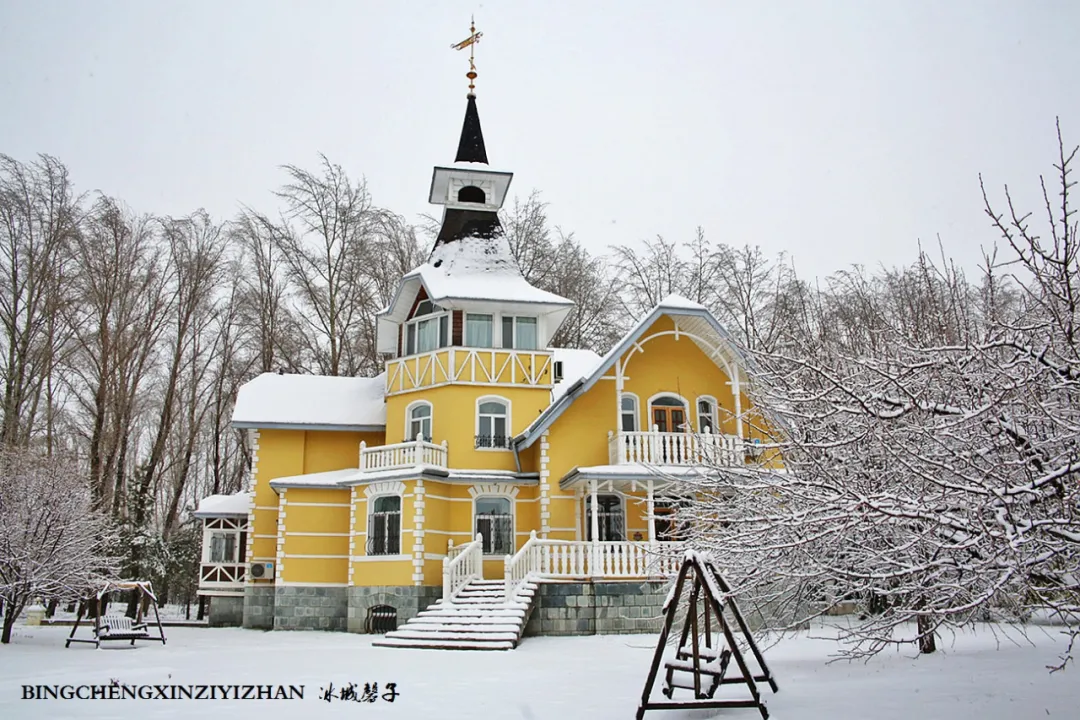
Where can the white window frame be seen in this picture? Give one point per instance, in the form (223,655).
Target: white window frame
(210,546)
(714,415)
(636,411)
(401,530)
(436,316)
(409,434)
(465,328)
(513,520)
(509,432)
(513,344)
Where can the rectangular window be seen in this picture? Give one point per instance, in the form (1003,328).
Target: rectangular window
(478,331)
(223,547)
(520,333)
(427,335)
(384,526)
(610,520)
(410,339)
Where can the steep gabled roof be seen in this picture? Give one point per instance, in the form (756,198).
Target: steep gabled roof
(686,311)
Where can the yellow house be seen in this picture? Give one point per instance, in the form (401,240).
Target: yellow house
(485,485)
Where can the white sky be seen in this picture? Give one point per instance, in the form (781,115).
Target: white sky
(839,132)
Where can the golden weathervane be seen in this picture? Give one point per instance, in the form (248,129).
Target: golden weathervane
(470,42)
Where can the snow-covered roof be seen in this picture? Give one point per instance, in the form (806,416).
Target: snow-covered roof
(479,269)
(685,311)
(354,476)
(329,479)
(219,505)
(576,364)
(311,402)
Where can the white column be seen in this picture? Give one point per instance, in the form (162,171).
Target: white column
(651,509)
(594,525)
(738,407)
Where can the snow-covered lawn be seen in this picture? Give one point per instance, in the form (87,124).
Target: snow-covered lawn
(600,677)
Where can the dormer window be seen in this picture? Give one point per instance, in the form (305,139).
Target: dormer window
(471,194)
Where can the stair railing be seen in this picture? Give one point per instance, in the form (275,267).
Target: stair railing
(467,565)
(518,568)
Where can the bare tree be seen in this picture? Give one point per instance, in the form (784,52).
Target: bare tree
(39,217)
(930,452)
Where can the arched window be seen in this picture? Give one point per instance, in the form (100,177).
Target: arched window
(492,423)
(384,525)
(495,523)
(471,194)
(419,421)
(628,413)
(706,415)
(610,518)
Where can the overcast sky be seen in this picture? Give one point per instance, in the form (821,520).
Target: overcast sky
(837,132)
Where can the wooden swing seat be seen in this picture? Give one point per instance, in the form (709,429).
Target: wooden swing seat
(120,627)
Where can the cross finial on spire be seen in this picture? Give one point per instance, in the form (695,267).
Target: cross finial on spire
(470,42)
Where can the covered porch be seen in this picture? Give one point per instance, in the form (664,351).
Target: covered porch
(605,553)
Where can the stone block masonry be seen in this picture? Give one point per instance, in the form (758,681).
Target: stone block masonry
(310,608)
(259,607)
(596,608)
(408,600)
(226,611)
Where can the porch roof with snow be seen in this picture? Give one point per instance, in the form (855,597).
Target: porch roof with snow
(333,479)
(311,402)
(224,505)
(691,318)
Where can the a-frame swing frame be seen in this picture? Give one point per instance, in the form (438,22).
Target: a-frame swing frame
(136,630)
(699,661)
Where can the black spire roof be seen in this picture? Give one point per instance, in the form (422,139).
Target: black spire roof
(471,147)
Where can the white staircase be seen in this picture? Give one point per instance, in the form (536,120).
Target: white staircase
(479,618)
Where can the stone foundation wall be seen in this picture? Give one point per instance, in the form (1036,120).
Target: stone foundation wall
(259,607)
(226,611)
(588,608)
(408,600)
(310,608)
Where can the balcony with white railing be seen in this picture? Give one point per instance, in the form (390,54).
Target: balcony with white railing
(675,448)
(569,559)
(402,455)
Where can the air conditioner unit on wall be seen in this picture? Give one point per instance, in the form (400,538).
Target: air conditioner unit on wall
(261,570)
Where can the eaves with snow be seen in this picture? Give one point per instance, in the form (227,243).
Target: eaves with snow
(312,402)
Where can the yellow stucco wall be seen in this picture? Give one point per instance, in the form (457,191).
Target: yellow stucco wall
(454,420)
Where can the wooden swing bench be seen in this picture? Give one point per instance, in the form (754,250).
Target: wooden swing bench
(114,627)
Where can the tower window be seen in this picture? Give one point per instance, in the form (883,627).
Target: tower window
(471,194)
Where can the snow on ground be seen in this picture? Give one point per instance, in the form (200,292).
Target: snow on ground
(598,677)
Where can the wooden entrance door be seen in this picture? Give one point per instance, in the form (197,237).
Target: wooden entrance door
(668,419)
(669,416)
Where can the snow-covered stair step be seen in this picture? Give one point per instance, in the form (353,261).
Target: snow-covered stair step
(434,644)
(478,619)
(448,634)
